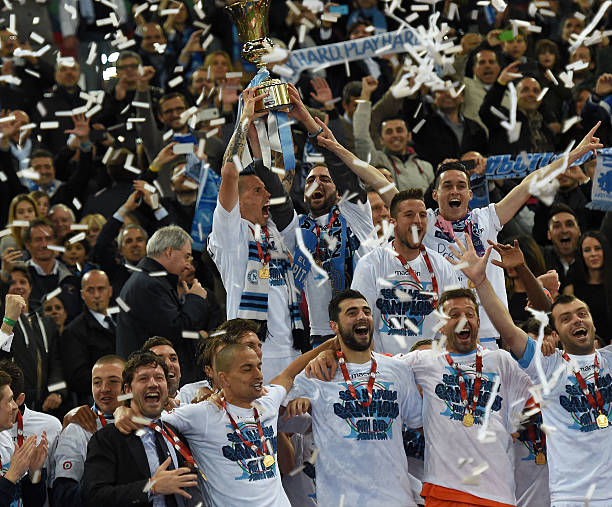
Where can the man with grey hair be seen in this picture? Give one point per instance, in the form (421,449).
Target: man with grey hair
(150,304)
(62,217)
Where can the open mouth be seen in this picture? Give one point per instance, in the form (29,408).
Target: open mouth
(464,334)
(152,397)
(361,330)
(454,203)
(171,374)
(317,194)
(265,210)
(257,386)
(566,240)
(580,332)
(106,399)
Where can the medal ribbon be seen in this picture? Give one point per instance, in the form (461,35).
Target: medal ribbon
(250,445)
(332,219)
(263,258)
(477,381)
(19,429)
(102,418)
(531,432)
(176,443)
(349,382)
(407,267)
(599,405)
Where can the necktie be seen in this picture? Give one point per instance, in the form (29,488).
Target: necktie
(111,323)
(162,453)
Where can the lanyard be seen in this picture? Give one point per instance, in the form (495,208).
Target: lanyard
(43,333)
(267,448)
(332,219)
(468,417)
(538,450)
(263,258)
(598,406)
(102,418)
(349,382)
(19,429)
(407,267)
(176,443)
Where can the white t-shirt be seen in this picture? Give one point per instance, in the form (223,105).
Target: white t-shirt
(361,450)
(579,453)
(236,475)
(359,218)
(485,225)
(188,391)
(531,479)
(447,440)
(379,275)
(228,245)
(71,451)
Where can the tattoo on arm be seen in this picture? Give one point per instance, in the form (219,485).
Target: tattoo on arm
(236,144)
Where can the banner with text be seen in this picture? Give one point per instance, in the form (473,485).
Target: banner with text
(340,52)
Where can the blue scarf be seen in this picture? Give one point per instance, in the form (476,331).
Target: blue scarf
(339,263)
(446,229)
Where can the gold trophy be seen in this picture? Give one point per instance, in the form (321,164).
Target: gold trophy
(251,20)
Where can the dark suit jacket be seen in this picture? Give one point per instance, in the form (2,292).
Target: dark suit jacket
(156,310)
(83,342)
(117,470)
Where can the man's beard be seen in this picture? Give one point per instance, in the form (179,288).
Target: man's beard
(348,338)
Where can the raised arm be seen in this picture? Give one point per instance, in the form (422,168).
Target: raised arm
(228,190)
(509,205)
(496,310)
(368,174)
(512,257)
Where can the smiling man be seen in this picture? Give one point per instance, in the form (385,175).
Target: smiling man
(453,220)
(564,233)
(402,281)
(119,467)
(578,403)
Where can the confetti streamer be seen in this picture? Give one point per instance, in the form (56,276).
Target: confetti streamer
(57,386)
(76,238)
(122,304)
(125,397)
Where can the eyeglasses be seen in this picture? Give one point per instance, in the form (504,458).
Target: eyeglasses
(128,66)
(188,257)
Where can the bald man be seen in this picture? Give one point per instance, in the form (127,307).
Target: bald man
(89,336)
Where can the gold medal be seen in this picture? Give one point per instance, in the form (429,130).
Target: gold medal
(268,460)
(468,419)
(540,459)
(602,421)
(264,272)
(318,261)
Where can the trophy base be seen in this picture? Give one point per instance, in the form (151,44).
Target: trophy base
(278,96)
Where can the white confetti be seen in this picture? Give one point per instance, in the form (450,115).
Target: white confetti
(111,310)
(122,304)
(79,227)
(191,335)
(76,238)
(542,93)
(54,293)
(459,327)
(46,125)
(175,81)
(56,248)
(125,397)
(158,273)
(415,234)
(57,386)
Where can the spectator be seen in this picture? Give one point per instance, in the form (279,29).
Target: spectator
(590,279)
(153,302)
(94,223)
(54,308)
(397,155)
(564,233)
(22,209)
(62,218)
(157,54)
(42,202)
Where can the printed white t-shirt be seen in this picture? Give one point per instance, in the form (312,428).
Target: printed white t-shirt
(361,454)
(228,245)
(485,225)
(380,276)
(236,475)
(448,441)
(188,391)
(531,479)
(359,218)
(579,452)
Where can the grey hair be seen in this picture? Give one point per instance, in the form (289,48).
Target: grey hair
(124,231)
(62,207)
(171,236)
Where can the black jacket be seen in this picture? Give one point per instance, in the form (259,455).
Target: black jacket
(83,342)
(117,470)
(498,135)
(156,310)
(436,141)
(37,375)
(33,495)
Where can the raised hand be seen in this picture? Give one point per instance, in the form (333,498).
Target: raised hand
(81,127)
(14,305)
(250,99)
(326,138)
(511,255)
(145,74)
(473,267)
(510,73)
(604,85)
(296,407)
(588,143)
(322,92)
(368,86)
(39,454)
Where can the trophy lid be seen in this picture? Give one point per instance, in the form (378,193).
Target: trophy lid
(250,18)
